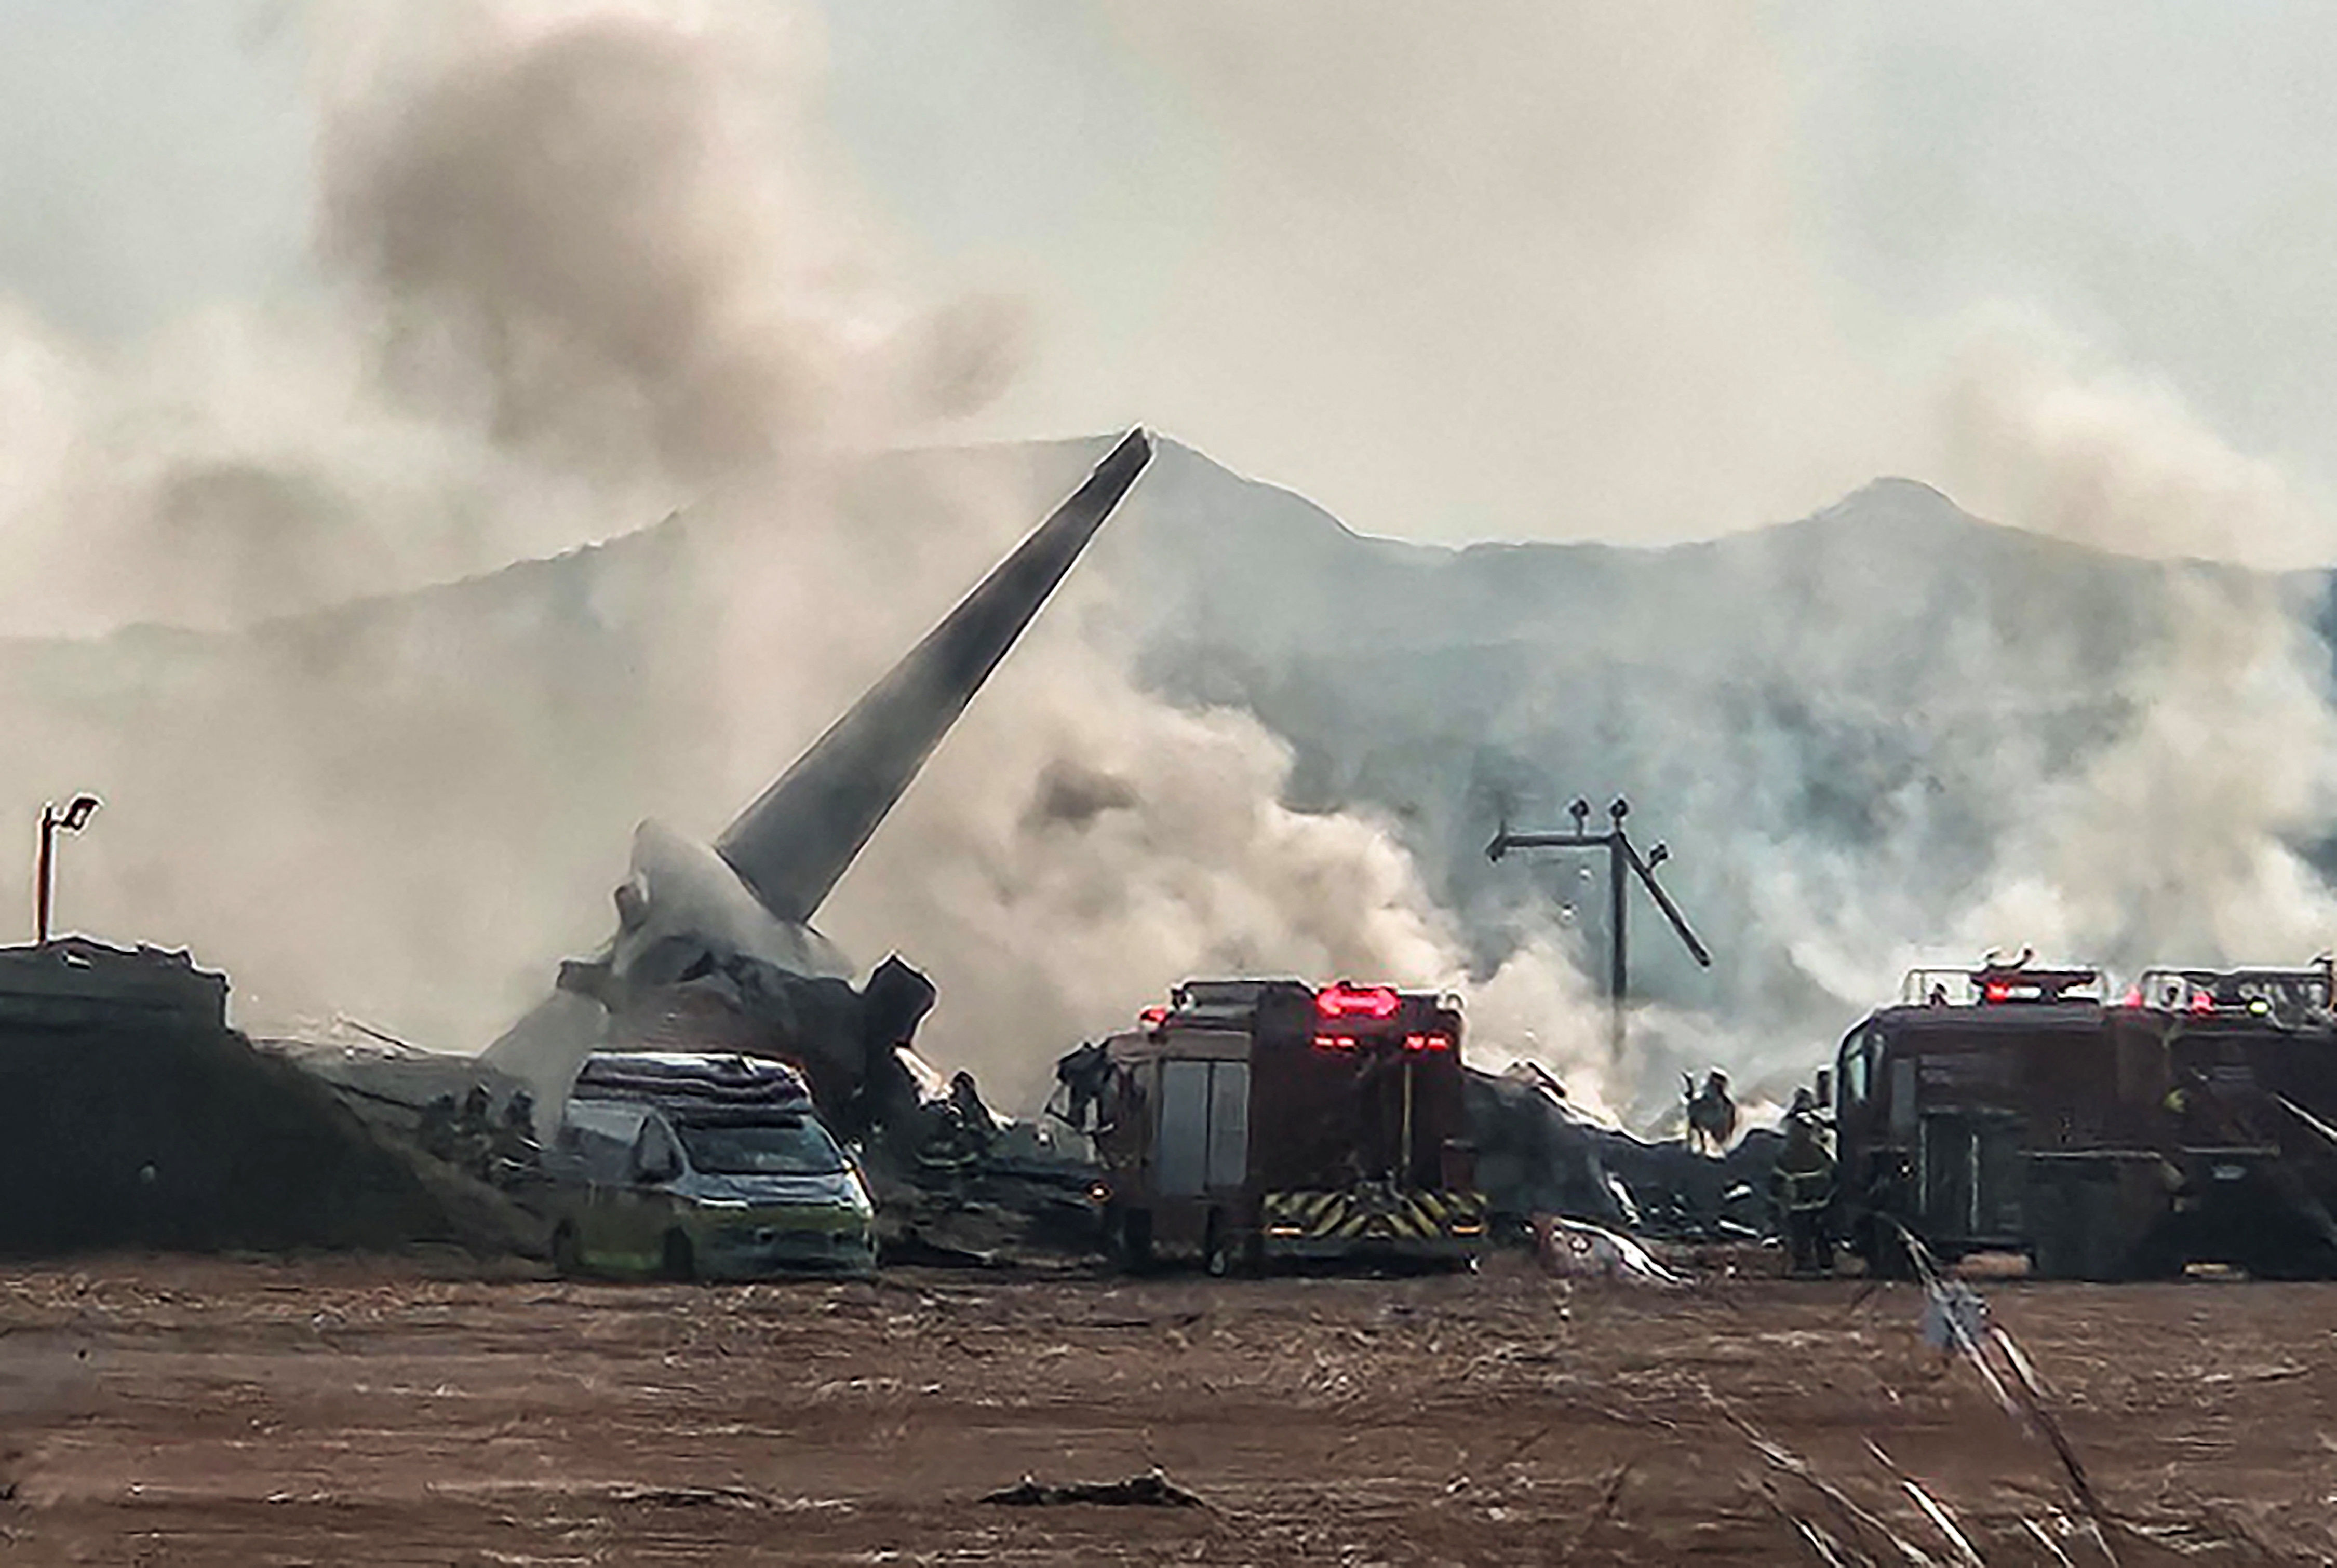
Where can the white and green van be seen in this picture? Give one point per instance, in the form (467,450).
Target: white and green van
(685,1166)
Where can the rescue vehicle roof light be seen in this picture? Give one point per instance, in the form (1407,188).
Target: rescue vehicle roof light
(1344,999)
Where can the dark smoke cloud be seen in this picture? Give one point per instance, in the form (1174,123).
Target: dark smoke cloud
(571,229)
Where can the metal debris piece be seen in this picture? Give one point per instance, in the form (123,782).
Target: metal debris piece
(912,1248)
(1576,1250)
(1153,1489)
(1824,1547)
(1830,1552)
(687,1496)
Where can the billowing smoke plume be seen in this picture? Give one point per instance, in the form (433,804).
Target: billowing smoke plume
(2182,841)
(1150,845)
(579,273)
(581,239)
(2181,833)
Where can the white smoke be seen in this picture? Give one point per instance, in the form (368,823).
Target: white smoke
(2180,838)
(2038,431)
(2179,843)
(1085,846)
(580,270)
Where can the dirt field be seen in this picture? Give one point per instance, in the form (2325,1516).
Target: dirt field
(177,1411)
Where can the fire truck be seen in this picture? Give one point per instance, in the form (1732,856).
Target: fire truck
(2251,1071)
(1261,1121)
(2016,1109)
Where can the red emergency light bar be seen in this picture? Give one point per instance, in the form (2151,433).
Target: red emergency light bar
(2013,984)
(1153,1017)
(1343,1000)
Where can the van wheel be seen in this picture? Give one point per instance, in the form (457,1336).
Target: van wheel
(567,1257)
(680,1263)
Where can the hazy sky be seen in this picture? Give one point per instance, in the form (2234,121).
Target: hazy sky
(1628,270)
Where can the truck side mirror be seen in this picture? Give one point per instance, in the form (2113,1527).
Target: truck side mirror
(1825,1087)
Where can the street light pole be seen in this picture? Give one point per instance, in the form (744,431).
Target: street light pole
(1618,970)
(1623,862)
(72,820)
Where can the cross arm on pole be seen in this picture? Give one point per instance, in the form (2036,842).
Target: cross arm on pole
(1646,874)
(1505,841)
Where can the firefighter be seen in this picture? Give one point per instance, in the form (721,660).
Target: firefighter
(965,1099)
(437,1132)
(960,1131)
(1711,1114)
(514,1146)
(475,1134)
(1802,1185)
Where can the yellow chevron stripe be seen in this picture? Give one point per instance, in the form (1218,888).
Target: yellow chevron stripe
(1344,1216)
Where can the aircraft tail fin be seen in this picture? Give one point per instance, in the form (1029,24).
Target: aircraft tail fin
(793,844)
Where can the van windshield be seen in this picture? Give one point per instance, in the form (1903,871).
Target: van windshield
(791,1146)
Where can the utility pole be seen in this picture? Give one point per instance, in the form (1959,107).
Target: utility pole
(72,819)
(1622,857)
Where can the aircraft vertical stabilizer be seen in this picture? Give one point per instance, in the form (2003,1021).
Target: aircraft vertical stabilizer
(794,842)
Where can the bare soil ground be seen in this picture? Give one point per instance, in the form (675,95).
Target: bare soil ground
(391,1411)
